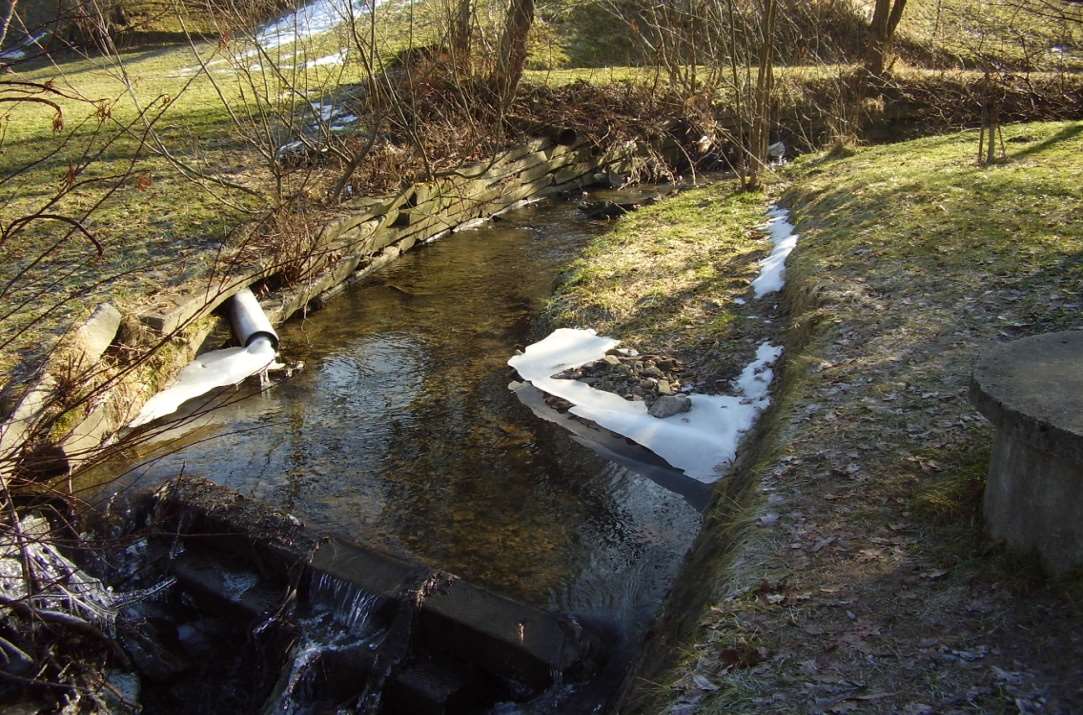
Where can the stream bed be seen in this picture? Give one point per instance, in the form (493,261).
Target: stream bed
(402,432)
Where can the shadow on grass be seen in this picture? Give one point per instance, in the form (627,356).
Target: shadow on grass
(1069,132)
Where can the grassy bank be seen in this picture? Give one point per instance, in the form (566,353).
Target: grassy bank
(850,573)
(664,280)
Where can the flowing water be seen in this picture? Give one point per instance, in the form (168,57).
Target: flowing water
(401,432)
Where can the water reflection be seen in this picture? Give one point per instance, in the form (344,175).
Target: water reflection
(402,432)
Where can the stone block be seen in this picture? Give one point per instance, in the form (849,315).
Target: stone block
(1032,391)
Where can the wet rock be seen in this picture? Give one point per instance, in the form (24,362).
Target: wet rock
(122,691)
(152,658)
(201,637)
(630,374)
(669,405)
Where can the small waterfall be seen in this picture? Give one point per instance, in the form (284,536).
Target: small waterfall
(333,662)
(351,608)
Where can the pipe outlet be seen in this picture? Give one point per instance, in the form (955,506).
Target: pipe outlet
(248,319)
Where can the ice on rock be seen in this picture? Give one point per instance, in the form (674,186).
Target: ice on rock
(218,368)
(698,441)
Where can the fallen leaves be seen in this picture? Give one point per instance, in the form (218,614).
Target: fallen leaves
(742,656)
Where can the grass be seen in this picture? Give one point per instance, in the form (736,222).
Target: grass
(159,229)
(996,32)
(867,563)
(665,277)
(926,205)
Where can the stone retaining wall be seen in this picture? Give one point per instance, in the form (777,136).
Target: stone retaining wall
(367,233)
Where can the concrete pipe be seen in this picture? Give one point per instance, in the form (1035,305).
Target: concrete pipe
(248,319)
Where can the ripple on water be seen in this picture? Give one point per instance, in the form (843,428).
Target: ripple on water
(402,432)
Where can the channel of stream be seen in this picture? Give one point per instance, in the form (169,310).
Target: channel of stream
(406,431)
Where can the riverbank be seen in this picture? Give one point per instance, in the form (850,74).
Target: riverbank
(842,567)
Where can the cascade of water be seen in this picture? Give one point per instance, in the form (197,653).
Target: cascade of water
(342,626)
(349,606)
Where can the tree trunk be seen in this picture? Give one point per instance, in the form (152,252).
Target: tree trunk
(760,131)
(885,18)
(511,58)
(460,32)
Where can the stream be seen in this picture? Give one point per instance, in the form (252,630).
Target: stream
(406,431)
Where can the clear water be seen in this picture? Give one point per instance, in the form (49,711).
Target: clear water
(401,432)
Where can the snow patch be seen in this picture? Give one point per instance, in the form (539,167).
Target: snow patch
(773,268)
(336,59)
(18,52)
(310,20)
(698,442)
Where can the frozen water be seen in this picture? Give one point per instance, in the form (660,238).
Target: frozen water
(218,368)
(310,20)
(699,441)
(336,59)
(773,268)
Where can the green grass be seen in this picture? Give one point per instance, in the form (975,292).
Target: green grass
(928,206)
(981,33)
(159,229)
(664,278)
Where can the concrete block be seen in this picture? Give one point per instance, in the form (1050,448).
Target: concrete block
(1032,390)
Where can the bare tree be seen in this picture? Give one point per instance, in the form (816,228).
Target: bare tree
(461,30)
(511,56)
(885,19)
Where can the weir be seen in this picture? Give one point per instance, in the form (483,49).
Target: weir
(402,447)
(364,606)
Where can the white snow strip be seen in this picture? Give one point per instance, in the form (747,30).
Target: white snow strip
(218,368)
(19,50)
(699,441)
(773,268)
(472,224)
(336,59)
(289,149)
(310,20)
(523,203)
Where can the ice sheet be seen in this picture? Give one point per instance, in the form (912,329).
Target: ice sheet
(218,368)
(700,441)
(773,268)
